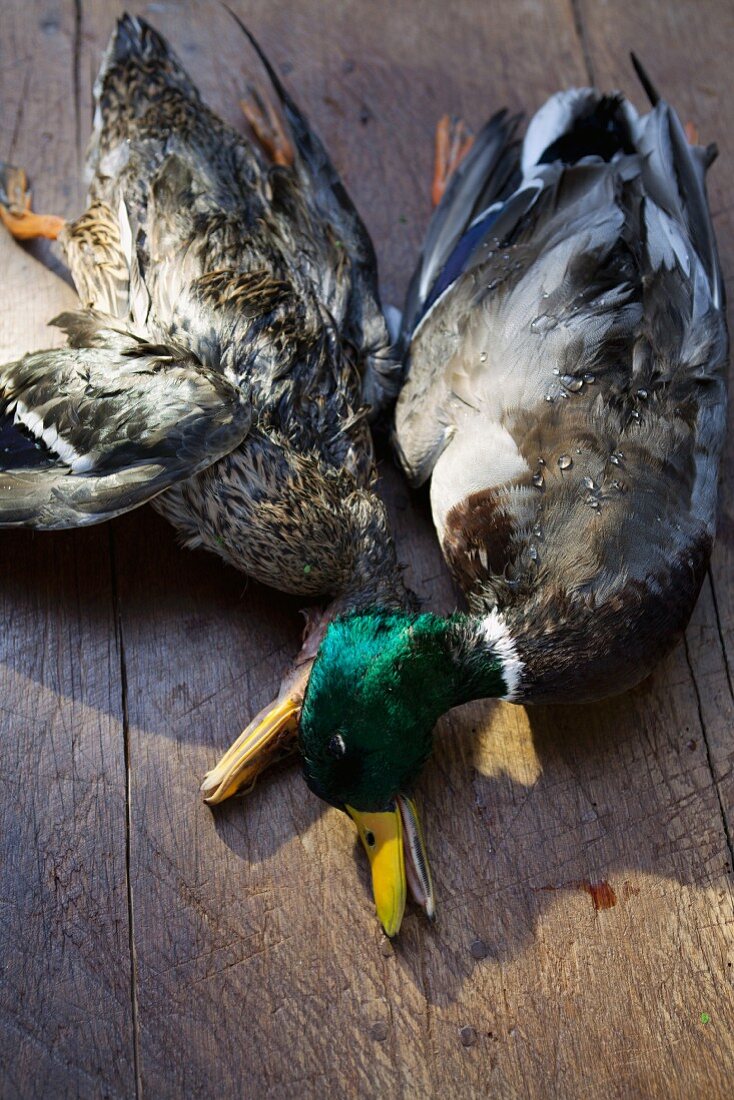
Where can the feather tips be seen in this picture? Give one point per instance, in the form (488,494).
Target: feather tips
(117,419)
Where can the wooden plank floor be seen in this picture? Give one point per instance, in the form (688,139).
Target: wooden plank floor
(583,856)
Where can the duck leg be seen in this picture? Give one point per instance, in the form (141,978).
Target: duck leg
(272,733)
(711,151)
(691,132)
(267,127)
(15,208)
(454,139)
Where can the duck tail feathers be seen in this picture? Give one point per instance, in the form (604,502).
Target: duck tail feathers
(133,39)
(577,123)
(312,154)
(133,43)
(650,90)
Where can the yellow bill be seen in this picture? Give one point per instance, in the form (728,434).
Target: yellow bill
(393,841)
(382,837)
(269,736)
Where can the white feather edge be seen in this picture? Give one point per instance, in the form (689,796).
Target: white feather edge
(78,463)
(496,634)
(552,120)
(555,117)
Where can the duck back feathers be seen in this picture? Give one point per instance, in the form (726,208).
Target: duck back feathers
(195,244)
(566,396)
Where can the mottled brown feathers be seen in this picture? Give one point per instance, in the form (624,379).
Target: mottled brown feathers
(96,256)
(477,538)
(250,292)
(200,261)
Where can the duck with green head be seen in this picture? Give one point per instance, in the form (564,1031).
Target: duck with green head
(565,397)
(379,684)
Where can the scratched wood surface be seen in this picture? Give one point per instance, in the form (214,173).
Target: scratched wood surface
(583,857)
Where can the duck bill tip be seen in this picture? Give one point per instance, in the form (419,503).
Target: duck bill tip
(393,841)
(270,735)
(382,839)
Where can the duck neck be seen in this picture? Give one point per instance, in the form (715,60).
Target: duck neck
(376,577)
(483,658)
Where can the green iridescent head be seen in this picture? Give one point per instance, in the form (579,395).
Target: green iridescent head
(378,685)
(376,689)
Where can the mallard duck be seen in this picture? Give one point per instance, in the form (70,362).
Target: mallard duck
(565,402)
(228,350)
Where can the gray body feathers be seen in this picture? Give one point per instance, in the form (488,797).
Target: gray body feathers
(566,395)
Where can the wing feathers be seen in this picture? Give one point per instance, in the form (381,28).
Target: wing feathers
(116,422)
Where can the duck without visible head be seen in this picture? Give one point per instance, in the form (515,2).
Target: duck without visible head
(565,400)
(229,351)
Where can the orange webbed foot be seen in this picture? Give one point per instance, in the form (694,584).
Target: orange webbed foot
(691,131)
(15,208)
(454,139)
(267,127)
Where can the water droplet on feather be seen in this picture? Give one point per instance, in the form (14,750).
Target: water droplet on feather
(589,483)
(543,323)
(565,462)
(538,480)
(572,382)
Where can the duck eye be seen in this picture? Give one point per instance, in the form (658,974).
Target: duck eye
(336,746)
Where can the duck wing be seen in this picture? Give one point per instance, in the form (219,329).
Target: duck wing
(487,175)
(94,429)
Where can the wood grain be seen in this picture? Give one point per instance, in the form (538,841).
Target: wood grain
(581,855)
(65,1008)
